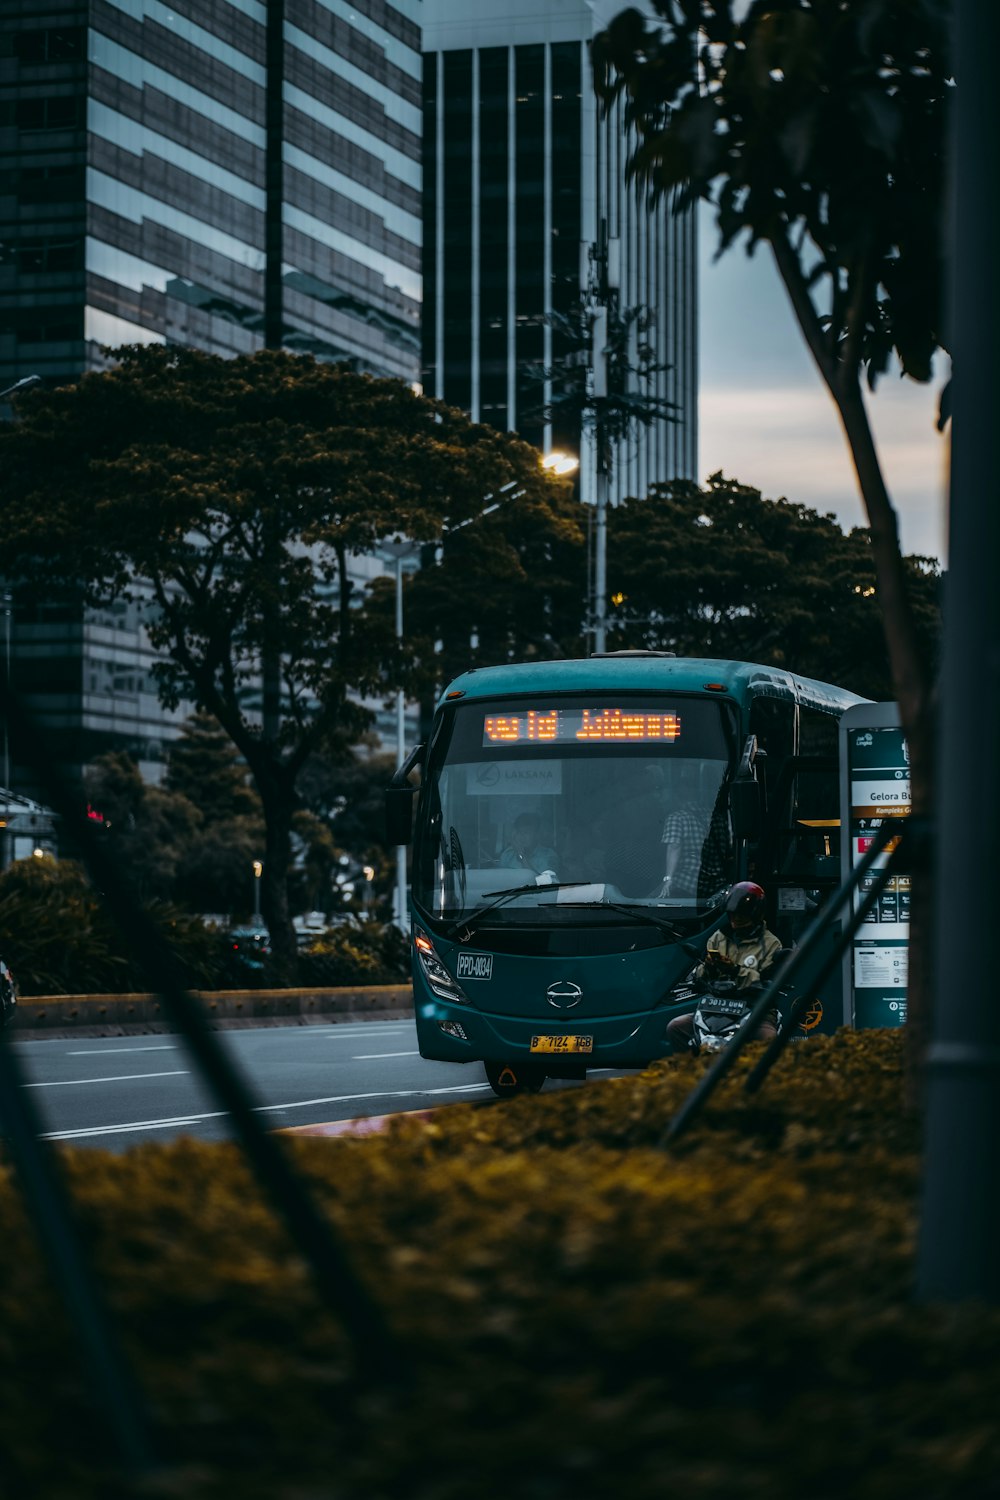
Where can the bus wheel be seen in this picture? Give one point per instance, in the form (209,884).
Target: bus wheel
(507,1079)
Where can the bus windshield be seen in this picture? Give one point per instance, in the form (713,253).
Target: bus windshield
(601,795)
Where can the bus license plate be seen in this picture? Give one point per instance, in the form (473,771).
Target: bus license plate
(562,1044)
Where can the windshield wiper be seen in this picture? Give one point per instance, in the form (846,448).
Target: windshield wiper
(630,911)
(465,926)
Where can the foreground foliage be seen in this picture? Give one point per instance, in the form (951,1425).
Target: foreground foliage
(585,1314)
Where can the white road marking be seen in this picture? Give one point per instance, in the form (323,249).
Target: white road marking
(348,1034)
(73,1135)
(370,1056)
(263,1109)
(62,1083)
(117,1051)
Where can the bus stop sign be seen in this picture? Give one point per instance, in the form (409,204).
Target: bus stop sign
(875,785)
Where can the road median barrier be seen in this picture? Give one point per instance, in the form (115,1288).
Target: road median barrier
(59,1013)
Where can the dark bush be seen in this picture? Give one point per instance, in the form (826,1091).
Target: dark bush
(58,938)
(356,953)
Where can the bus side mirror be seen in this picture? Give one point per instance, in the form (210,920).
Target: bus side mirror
(399,801)
(746,795)
(399,814)
(745,805)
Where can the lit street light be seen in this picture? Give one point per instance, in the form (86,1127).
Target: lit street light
(258,870)
(561,463)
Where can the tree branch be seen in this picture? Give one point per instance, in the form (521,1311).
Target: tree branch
(791,273)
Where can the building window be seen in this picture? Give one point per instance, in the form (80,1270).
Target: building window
(51,44)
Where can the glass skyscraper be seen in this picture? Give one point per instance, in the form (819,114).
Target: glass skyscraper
(526,209)
(222,174)
(214,173)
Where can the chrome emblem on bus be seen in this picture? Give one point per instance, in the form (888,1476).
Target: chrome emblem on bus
(563,995)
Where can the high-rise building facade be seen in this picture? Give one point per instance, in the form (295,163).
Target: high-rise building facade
(527,210)
(221,174)
(183,173)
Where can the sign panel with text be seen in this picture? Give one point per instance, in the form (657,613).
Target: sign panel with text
(875,786)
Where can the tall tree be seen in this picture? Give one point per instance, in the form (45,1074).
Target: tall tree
(230,495)
(721,571)
(818,128)
(203,766)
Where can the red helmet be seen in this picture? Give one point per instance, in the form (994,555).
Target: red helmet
(745,907)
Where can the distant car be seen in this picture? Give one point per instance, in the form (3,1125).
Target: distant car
(309,926)
(250,947)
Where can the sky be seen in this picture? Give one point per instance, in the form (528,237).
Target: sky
(767,420)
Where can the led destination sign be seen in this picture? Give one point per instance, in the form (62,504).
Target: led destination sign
(572,726)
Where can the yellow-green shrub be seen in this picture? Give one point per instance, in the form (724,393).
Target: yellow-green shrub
(585,1314)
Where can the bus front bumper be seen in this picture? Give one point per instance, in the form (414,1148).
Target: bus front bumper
(449,1032)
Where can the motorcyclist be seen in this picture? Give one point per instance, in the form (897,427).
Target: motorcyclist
(743,949)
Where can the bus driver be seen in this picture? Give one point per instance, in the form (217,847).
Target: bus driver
(524,852)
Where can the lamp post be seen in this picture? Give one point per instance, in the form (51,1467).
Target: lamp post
(403,550)
(8,606)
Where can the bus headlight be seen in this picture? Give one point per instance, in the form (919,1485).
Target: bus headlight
(436,974)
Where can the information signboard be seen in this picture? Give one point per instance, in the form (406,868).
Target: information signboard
(875,785)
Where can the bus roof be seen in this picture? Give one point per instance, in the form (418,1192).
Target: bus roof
(649,672)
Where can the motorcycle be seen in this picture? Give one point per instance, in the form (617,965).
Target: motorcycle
(8,999)
(720,1008)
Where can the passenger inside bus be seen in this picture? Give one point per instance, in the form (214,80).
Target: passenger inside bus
(696,840)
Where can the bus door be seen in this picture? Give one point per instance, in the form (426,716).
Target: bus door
(804,872)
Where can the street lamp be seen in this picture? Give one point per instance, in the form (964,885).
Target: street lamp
(8,602)
(403,550)
(20,385)
(561,463)
(258,870)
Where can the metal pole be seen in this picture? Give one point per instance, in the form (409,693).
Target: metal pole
(8,604)
(959,1245)
(601,563)
(400,754)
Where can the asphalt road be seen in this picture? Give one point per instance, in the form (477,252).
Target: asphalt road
(114,1092)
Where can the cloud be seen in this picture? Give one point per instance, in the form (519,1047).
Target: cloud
(766,418)
(786,440)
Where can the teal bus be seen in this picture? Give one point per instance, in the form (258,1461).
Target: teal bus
(577,829)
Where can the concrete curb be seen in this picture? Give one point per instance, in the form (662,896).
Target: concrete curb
(40,1014)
